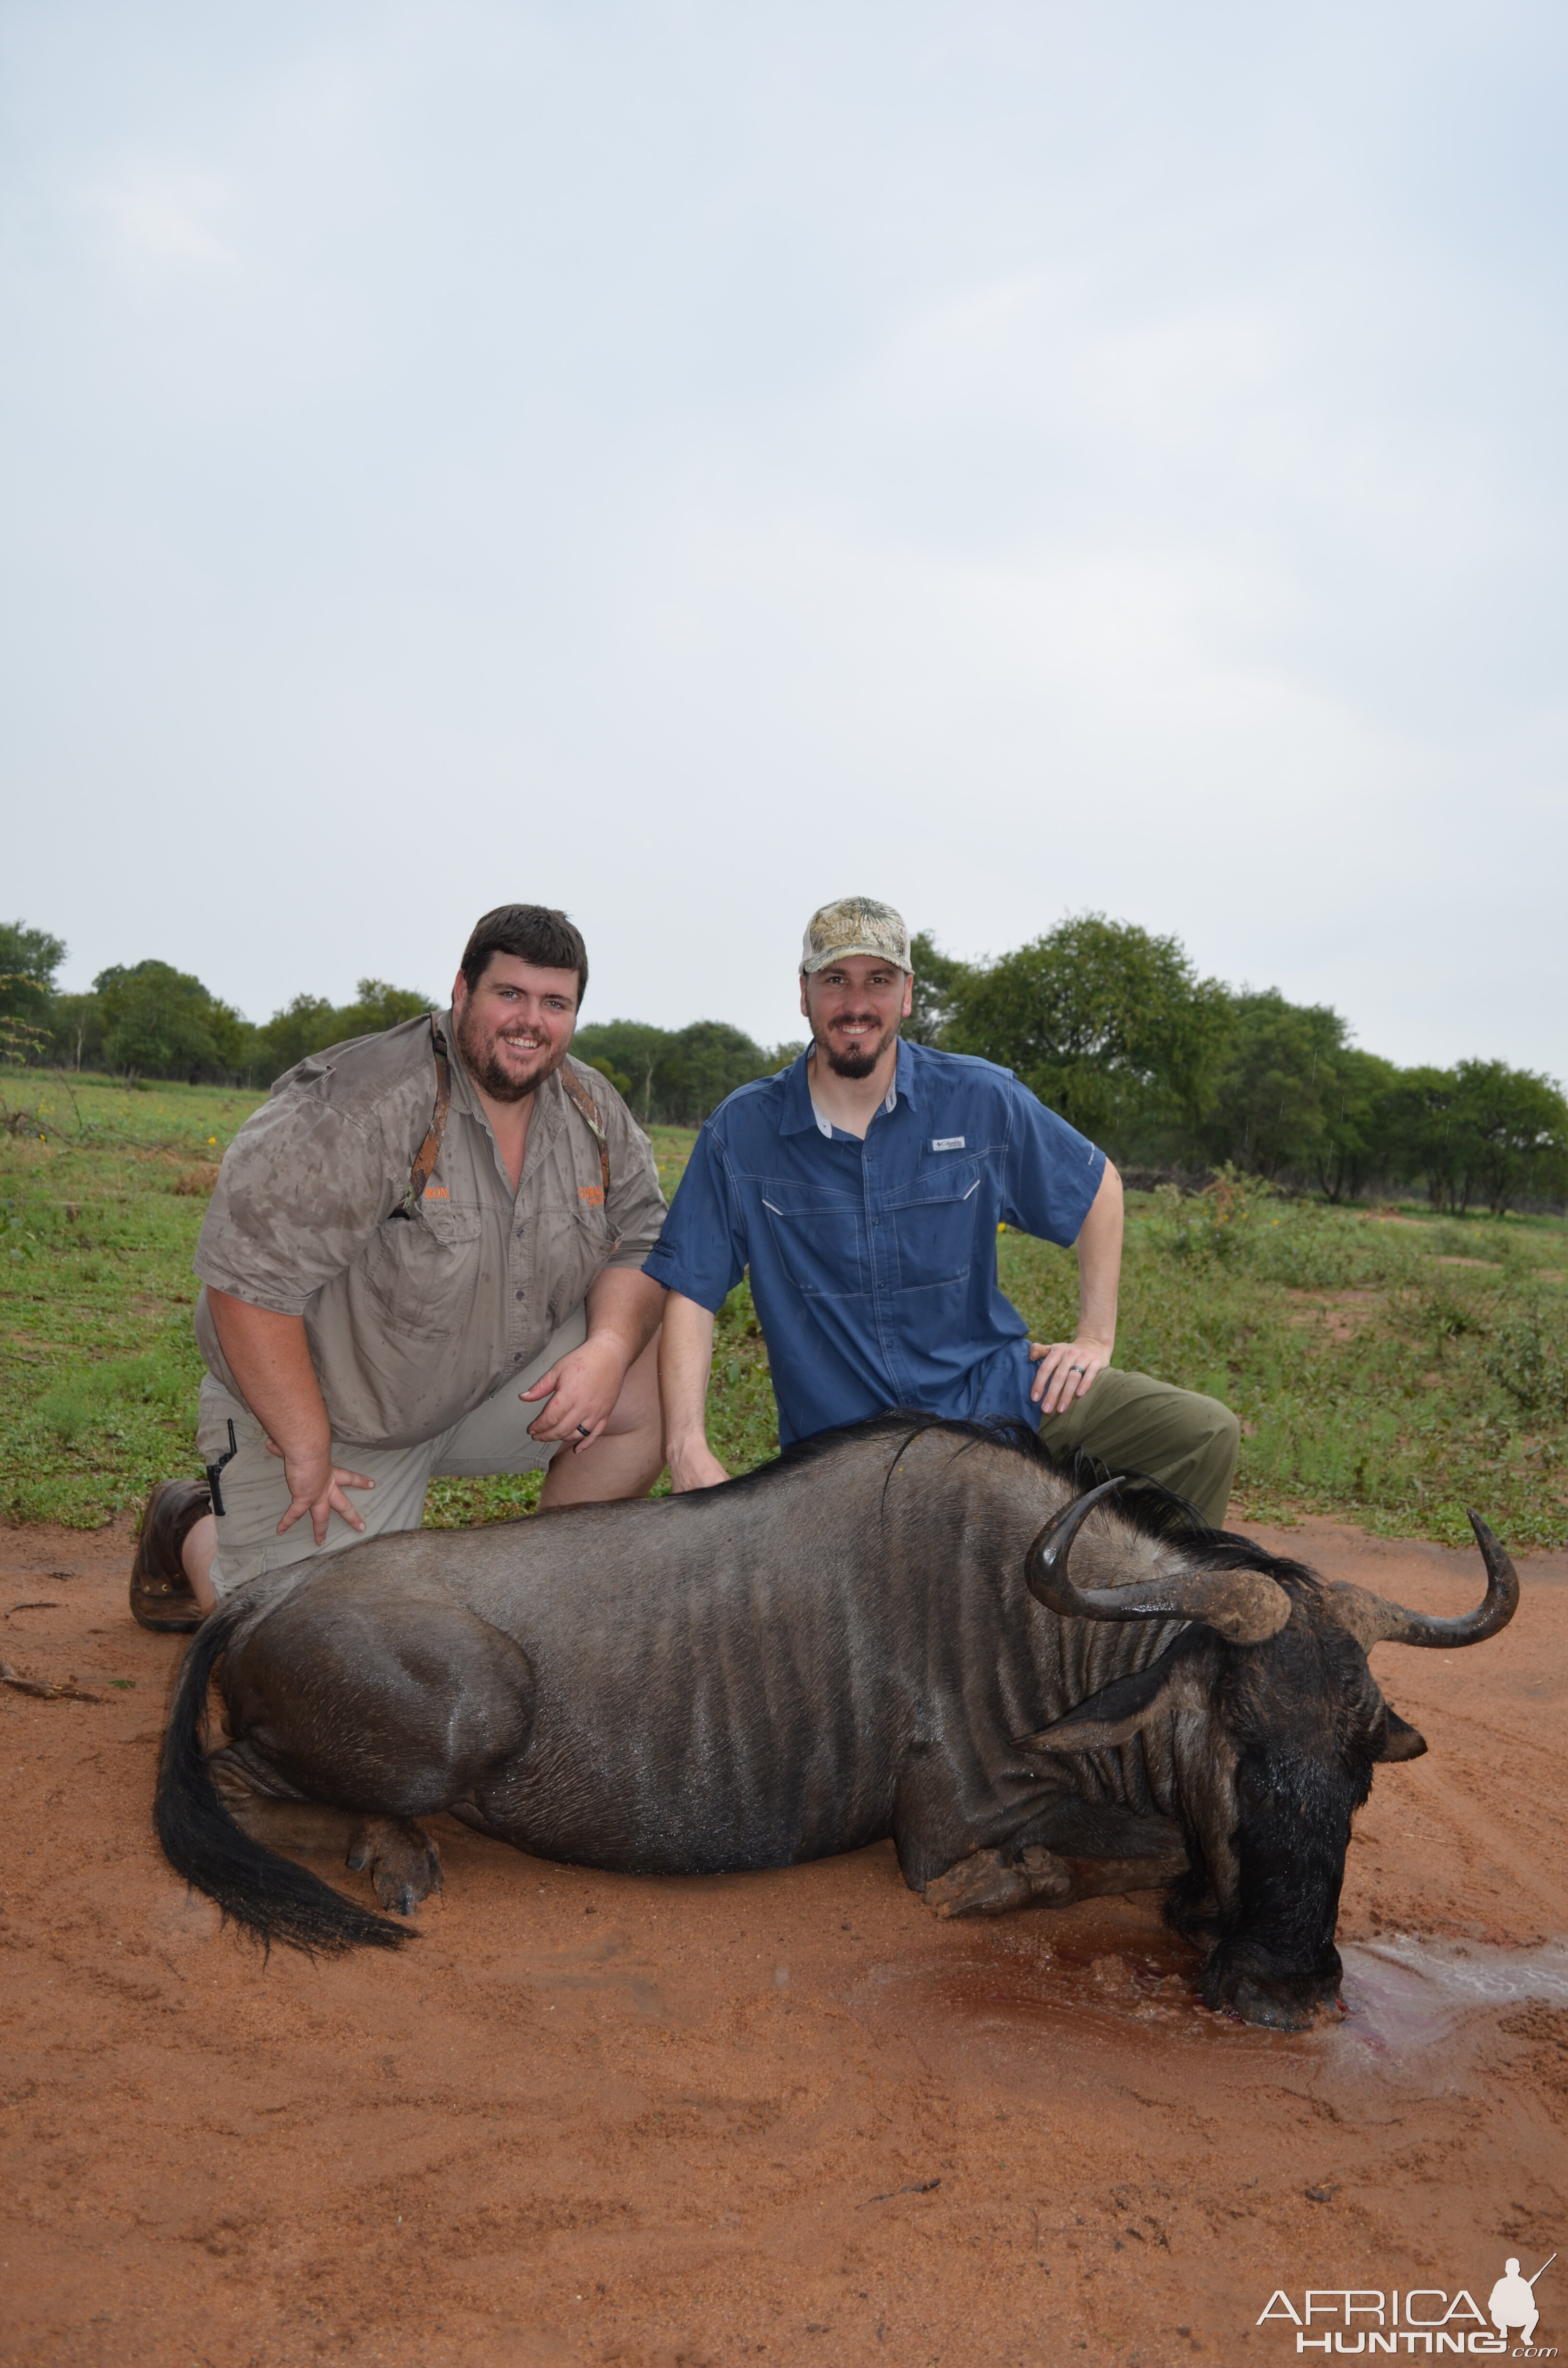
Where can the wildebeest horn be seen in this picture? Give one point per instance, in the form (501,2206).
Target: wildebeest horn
(1371,1620)
(1243,1606)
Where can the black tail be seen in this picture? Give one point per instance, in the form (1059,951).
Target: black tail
(269,1896)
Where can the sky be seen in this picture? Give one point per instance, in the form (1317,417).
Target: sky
(683,462)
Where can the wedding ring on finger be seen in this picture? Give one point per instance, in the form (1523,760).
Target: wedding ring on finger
(584,1427)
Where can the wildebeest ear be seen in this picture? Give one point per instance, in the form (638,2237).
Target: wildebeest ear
(1402,1742)
(1113,1715)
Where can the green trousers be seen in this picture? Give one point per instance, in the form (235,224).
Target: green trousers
(1131,1423)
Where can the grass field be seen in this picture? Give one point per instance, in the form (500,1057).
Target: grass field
(1388,1367)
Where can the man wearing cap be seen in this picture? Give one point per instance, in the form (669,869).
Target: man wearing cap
(863,1187)
(423,1256)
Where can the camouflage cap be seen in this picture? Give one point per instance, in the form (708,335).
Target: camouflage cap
(855,924)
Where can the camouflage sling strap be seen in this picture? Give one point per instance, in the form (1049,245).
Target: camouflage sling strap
(583,1101)
(429,1151)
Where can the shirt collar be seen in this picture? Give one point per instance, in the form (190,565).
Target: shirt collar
(801,1112)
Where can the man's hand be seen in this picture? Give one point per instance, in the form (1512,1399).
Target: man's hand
(315,1487)
(694,1465)
(1067,1369)
(586,1384)
(686,1355)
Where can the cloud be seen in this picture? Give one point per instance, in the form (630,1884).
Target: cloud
(161,216)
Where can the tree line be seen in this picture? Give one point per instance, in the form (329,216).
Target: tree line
(148,1019)
(1108,1024)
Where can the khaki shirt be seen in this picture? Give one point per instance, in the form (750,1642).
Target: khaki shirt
(414,1322)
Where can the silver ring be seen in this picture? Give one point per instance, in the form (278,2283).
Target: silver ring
(583,1427)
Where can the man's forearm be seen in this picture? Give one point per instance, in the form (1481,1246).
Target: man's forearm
(625,1305)
(1099,1261)
(686,1357)
(269,1357)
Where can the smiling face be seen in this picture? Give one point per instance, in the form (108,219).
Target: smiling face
(854,1007)
(514,1027)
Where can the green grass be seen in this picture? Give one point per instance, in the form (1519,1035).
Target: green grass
(1376,1380)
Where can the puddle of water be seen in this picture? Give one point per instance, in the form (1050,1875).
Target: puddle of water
(1038,1988)
(1402,1994)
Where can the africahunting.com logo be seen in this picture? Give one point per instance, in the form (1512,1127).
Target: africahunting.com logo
(1421,2319)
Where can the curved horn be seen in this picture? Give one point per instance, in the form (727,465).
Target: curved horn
(1243,1606)
(1372,1620)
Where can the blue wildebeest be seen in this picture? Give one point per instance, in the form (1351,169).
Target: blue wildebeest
(877,1635)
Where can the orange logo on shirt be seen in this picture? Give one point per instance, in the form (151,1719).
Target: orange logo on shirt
(437,1192)
(593,1193)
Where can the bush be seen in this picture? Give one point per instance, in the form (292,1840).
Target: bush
(1527,1357)
(1221,1222)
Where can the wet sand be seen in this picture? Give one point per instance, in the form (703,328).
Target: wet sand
(771,2118)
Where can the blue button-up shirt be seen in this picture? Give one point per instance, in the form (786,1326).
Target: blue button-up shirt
(874,1265)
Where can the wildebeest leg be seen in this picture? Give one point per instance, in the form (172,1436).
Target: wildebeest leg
(384,1706)
(404,1862)
(993,1881)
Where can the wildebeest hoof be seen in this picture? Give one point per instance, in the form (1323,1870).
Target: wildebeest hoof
(404,1863)
(1256,2004)
(986,1883)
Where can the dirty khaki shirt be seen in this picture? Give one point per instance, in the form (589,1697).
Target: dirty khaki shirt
(414,1322)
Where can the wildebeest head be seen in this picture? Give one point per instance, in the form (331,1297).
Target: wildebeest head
(1270,1717)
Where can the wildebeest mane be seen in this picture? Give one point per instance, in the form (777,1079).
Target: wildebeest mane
(1150,1507)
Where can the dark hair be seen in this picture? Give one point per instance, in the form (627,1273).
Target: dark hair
(530,933)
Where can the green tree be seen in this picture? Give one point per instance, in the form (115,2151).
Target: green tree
(939,982)
(159,1022)
(629,1049)
(310,1022)
(28,960)
(1417,1123)
(1512,1126)
(703,1063)
(302,1026)
(1271,1110)
(676,1076)
(1354,1143)
(75,1033)
(1108,1025)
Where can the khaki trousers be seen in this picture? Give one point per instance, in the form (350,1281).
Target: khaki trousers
(1130,1422)
(493,1438)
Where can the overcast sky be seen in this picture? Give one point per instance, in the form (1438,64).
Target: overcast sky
(687,461)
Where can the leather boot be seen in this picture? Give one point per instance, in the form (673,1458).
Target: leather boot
(161,1596)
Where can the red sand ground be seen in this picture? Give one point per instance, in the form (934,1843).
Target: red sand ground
(781,2118)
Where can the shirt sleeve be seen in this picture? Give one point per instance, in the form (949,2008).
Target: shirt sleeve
(702,1251)
(302,1188)
(636,1205)
(1051,1173)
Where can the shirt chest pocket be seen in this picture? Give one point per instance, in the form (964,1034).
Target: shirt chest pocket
(819,1238)
(422,1272)
(572,1244)
(933,1225)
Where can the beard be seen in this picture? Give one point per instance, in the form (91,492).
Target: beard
(484,1064)
(858,1060)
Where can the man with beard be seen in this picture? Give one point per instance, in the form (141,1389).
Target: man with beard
(863,1187)
(424,1255)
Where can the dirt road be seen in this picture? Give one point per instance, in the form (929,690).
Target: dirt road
(778,2118)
